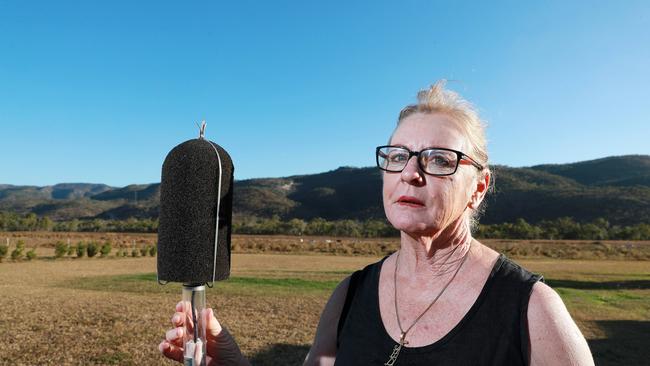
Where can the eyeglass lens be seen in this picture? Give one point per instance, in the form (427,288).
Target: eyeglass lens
(432,161)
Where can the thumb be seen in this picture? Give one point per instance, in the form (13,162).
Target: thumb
(212,326)
(221,346)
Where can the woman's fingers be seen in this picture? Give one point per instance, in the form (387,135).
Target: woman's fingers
(178,319)
(175,336)
(171,351)
(184,310)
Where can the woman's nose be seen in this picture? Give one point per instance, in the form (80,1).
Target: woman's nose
(411,172)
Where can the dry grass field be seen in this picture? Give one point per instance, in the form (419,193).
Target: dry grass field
(111,311)
(529,249)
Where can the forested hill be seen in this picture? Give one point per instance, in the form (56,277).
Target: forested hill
(615,188)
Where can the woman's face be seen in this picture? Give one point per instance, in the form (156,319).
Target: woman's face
(422,204)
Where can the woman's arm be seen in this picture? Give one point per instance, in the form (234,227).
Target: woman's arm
(323,350)
(554,337)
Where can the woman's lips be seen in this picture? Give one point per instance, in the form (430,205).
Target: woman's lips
(410,201)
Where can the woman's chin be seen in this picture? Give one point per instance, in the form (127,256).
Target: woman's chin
(415,228)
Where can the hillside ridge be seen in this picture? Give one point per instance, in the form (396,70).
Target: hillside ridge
(616,188)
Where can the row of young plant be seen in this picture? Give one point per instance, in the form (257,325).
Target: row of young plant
(18,253)
(79,250)
(91,249)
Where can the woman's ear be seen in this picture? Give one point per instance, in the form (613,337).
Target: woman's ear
(481,188)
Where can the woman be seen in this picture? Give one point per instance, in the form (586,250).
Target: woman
(443,298)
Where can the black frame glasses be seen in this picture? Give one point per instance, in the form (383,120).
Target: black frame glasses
(380,154)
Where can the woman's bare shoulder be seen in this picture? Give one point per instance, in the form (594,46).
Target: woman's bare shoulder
(554,337)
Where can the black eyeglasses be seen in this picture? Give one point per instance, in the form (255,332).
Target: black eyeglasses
(433,160)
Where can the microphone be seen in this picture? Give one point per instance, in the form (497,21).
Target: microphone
(194,229)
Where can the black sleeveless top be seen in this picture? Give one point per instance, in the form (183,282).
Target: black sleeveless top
(493,332)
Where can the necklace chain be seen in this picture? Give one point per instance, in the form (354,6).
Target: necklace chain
(402,340)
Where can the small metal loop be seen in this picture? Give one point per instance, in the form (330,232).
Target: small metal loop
(161,282)
(202,129)
(209,284)
(203,124)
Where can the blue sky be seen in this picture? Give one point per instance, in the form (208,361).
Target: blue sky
(100,92)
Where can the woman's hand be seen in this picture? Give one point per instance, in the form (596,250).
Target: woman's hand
(221,347)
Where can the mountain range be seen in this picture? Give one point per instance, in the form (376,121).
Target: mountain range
(616,188)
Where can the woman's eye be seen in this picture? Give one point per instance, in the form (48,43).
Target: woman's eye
(397,158)
(441,161)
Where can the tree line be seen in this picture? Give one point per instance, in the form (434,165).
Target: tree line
(563,228)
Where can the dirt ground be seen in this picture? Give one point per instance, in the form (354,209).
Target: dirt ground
(82,311)
(47,321)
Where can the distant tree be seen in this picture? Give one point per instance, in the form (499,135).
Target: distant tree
(523,230)
(94,225)
(347,228)
(644,231)
(45,224)
(549,230)
(295,227)
(567,228)
(319,226)
(29,222)
(373,228)
(592,231)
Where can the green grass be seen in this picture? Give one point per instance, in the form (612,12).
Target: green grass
(606,304)
(147,283)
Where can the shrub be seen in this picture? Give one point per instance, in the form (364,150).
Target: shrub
(106,249)
(144,250)
(124,253)
(71,249)
(31,254)
(91,249)
(17,254)
(3,251)
(134,252)
(81,249)
(60,249)
(153,250)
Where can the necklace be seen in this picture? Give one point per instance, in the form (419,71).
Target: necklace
(402,339)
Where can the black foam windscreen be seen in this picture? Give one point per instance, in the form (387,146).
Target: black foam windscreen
(190,196)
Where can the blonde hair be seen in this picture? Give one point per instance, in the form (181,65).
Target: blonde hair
(437,99)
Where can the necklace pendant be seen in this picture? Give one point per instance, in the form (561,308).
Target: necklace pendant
(398,347)
(393,356)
